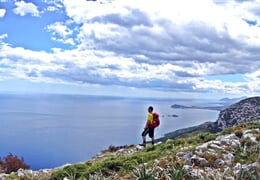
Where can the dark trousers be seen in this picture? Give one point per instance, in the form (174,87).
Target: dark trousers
(149,130)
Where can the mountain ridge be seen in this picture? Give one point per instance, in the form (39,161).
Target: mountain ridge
(245,110)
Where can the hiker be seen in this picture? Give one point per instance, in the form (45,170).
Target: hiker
(149,126)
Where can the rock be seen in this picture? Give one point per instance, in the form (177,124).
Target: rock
(220,162)
(126,151)
(202,148)
(243,111)
(252,166)
(228,137)
(198,161)
(215,146)
(185,156)
(21,172)
(192,172)
(250,136)
(226,145)
(138,147)
(211,151)
(229,140)
(157,143)
(237,168)
(228,158)
(202,161)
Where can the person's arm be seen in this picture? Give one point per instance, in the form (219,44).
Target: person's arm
(146,124)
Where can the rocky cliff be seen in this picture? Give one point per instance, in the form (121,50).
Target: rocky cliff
(244,111)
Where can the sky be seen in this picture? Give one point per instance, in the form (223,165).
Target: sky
(136,48)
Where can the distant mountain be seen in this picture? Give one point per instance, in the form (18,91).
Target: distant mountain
(222,104)
(243,111)
(231,100)
(217,108)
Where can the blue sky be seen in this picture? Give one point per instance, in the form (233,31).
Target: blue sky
(138,48)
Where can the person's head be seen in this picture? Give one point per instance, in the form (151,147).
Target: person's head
(150,109)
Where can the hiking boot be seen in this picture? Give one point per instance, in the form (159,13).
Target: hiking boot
(152,142)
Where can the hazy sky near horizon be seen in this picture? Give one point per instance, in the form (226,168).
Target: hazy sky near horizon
(168,48)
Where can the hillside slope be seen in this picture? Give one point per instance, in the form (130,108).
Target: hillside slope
(245,110)
(233,153)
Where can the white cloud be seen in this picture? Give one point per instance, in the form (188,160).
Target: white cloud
(3,36)
(54,5)
(154,23)
(254,76)
(200,40)
(96,67)
(61,33)
(60,29)
(69,41)
(169,46)
(52,8)
(2,13)
(23,8)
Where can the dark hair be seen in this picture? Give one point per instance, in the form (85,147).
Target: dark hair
(150,108)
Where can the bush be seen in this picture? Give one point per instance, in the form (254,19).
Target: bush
(176,171)
(247,142)
(144,173)
(11,163)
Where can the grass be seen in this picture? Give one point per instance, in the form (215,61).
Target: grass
(141,165)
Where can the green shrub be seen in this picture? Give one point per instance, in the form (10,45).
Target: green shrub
(176,171)
(254,125)
(226,131)
(180,142)
(247,142)
(72,172)
(211,158)
(252,174)
(144,173)
(168,146)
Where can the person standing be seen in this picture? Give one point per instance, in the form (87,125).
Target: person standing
(148,129)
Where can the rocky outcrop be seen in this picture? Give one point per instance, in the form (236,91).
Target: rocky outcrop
(220,154)
(243,111)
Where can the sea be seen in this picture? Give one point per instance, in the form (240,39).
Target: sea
(50,130)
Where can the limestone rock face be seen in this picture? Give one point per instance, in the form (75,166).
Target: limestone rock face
(243,111)
(223,149)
